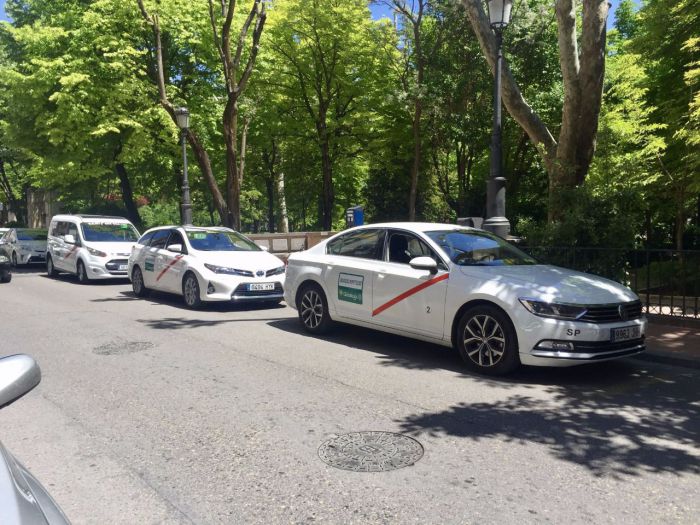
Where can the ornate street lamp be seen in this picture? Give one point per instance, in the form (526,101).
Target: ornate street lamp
(496,222)
(182,116)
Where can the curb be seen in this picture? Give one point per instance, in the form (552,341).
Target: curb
(666,359)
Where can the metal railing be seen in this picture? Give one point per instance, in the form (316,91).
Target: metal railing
(667,281)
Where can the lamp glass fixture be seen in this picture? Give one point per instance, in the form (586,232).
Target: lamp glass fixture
(182,115)
(499,13)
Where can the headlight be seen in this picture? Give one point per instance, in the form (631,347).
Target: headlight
(228,271)
(96,253)
(276,271)
(569,312)
(4,259)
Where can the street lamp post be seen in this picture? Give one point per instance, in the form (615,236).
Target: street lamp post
(496,221)
(182,115)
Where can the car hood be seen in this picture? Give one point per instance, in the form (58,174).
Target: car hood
(112,248)
(551,283)
(251,261)
(32,245)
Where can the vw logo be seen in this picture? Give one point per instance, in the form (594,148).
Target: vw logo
(259,273)
(623,313)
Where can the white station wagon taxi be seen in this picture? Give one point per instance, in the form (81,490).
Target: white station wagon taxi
(466,288)
(205,265)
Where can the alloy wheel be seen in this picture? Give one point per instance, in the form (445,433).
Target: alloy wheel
(191,290)
(312,309)
(484,340)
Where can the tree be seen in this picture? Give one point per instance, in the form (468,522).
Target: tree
(325,58)
(236,73)
(568,158)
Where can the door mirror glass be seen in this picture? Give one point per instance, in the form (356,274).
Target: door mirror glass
(424,263)
(175,248)
(69,239)
(19,374)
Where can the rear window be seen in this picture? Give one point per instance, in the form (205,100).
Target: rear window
(364,244)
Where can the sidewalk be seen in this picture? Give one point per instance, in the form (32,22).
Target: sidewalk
(673,345)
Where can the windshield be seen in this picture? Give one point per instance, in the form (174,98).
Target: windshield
(31,235)
(479,248)
(109,232)
(220,241)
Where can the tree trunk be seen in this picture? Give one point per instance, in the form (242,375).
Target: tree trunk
(328,197)
(567,161)
(132,211)
(270,188)
(6,187)
(282,204)
(415,168)
(233,187)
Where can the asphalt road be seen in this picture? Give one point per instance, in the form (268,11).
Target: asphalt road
(150,413)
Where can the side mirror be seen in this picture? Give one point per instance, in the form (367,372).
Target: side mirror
(19,374)
(69,239)
(424,263)
(175,248)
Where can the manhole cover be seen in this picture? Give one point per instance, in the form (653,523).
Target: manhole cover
(122,347)
(371,451)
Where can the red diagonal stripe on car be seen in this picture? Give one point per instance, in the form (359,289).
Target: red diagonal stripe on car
(172,263)
(72,251)
(411,292)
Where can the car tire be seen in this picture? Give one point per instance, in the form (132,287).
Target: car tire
(137,284)
(486,341)
(190,291)
(83,277)
(5,277)
(312,306)
(50,268)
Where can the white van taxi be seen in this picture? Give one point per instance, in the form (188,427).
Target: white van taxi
(466,288)
(204,265)
(90,246)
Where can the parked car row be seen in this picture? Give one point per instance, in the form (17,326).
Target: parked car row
(450,285)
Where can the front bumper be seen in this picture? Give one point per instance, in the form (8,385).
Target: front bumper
(30,257)
(104,268)
(588,342)
(236,289)
(594,350)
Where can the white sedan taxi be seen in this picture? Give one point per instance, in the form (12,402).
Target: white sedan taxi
(205,265)
(466,288)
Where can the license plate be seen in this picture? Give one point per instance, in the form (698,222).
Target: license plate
(261,287)
(123,267)
(625,334)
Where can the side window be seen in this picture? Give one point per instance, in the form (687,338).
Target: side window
(404,246)
(159,238)
(53,229)
(72,229)
(364,244)
(145,239)
(176,238)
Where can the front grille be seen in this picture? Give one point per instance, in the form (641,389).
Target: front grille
(274,271)
(242,291)
(610,313)
(113,265)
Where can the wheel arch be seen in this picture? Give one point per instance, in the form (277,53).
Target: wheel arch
(471,304)
(308,280)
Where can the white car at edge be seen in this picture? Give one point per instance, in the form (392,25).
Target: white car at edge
(205,265)
(466,288)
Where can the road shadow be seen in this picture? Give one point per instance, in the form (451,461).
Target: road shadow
(620,418)
(178,323)
(175,301)
(71,278)
(30,269)
(626,430)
